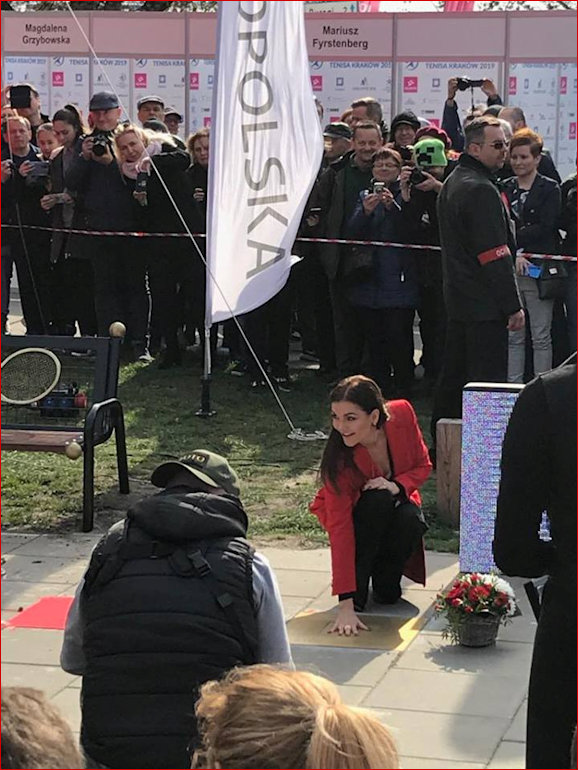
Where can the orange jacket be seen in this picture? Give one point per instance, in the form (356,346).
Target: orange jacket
(411,467)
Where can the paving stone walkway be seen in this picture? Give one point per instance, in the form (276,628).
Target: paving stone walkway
(449,707)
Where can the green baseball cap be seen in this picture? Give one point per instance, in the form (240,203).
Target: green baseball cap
(210,468)
(429,152)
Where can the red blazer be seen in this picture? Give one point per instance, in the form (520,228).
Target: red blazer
(411,466)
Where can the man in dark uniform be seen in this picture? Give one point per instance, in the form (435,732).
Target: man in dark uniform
(538,473)
(480,293)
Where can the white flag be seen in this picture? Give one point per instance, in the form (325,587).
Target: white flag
(266,149)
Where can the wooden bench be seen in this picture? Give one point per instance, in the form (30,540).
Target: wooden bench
(91,366)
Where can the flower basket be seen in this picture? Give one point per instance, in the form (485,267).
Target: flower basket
(474,605)
(479,630)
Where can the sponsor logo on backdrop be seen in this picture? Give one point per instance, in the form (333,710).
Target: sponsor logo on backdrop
(317,82)
(512,85)
(194,81)
(140,80)
(410,84)
(563,85)
(572,131)
(58,79)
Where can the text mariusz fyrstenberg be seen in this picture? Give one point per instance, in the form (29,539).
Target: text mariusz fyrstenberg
(339,37)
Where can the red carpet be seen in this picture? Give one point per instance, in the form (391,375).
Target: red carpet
(49,612)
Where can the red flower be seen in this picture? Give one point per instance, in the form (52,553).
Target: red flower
(456,602)
(468,608)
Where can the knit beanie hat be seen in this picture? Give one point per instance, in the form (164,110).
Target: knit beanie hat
(408,117)
(436,133)
(429,152)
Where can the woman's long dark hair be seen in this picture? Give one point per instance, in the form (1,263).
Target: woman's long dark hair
(364,393)
(70,114)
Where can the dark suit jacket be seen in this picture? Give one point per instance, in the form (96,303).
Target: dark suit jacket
(537,228)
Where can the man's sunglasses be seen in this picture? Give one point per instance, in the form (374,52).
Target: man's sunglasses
(497,145)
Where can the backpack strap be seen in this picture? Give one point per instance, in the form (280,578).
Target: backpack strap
(200,567)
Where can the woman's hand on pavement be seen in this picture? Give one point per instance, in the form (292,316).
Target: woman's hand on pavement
(347,623)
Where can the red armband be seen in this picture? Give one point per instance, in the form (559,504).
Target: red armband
(499,252)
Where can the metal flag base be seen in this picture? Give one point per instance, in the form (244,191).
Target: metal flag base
(297,434)
(205,411)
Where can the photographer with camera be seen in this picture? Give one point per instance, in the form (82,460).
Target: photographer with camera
(451,119)
(172,264)
(420,187)
(382,289)
(107,204)
(25,99)
(24,179)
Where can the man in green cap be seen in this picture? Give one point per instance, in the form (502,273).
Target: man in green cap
(174,596)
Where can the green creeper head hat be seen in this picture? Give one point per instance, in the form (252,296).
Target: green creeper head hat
(429,152)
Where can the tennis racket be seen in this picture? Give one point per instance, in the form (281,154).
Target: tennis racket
(29,375)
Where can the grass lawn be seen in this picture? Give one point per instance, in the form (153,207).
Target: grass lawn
(278,476)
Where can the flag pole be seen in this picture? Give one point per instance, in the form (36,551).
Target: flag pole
(205,410)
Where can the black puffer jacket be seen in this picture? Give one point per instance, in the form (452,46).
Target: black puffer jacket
(154,630)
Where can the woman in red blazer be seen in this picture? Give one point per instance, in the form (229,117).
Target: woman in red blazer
(373,465)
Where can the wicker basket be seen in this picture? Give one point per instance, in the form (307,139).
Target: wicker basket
(479,630)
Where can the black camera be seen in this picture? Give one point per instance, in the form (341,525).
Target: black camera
(465,83)
(20,96)
(140,188)
(417,176)
(39,171)
(406,154)
(101,143)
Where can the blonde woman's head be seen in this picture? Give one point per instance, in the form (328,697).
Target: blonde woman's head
(132,140)
(264,716)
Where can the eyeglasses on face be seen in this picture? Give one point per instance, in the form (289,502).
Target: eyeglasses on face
(386,166)
(497,145)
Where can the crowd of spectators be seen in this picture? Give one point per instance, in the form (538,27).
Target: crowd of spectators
(488,192)
(353,307)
